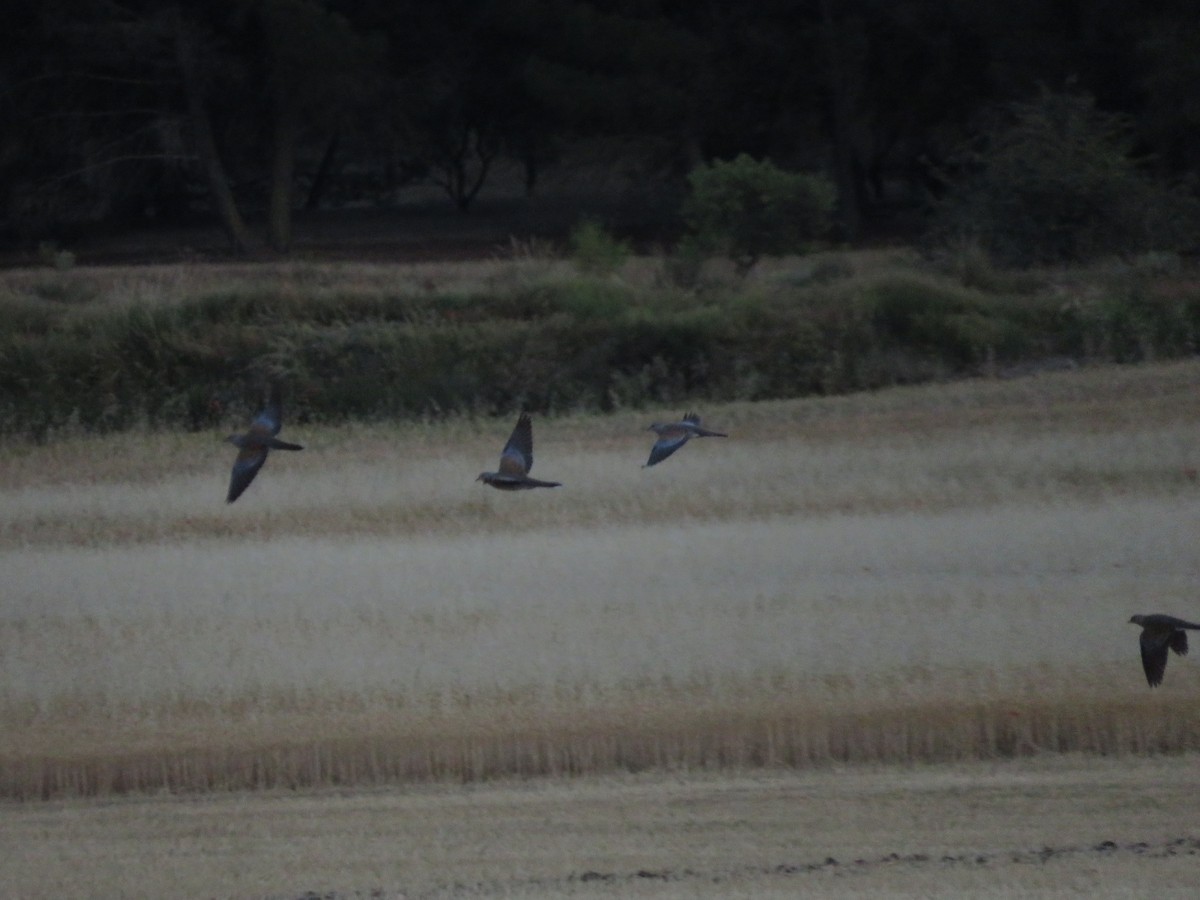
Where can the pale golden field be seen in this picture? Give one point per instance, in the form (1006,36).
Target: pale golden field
(932,575)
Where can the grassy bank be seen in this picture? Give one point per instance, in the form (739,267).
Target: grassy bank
(102,350)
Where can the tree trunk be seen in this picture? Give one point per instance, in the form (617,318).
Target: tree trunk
(323,175)
(456,164)
(283,161)
(841,98)
(531,173)
(221,194)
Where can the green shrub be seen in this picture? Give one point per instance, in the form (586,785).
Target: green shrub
(563,345)
(588,298)
(961,327)
(51,255)
(1053,180)
(595,251)
(745,208)
(1141,318)
(684,267)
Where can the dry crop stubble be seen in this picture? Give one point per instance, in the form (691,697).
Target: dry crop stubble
(914,575)
(120,286)
(1045,827)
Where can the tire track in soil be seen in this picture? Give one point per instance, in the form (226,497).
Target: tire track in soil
(1183,846)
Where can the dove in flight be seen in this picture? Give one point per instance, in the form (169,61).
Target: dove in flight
(515,462)
(254,445)
(1159,634)
(673,435)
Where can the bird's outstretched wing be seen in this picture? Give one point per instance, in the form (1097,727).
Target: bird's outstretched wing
(668,443)
(1178,642)
(249,460)
(1154,654)
(517,457)
(269,420)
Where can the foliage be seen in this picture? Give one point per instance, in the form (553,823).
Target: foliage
(1053,180)
(685,266)
(50,254)
(746,208)
(596,251)
(124,113)
(72,359)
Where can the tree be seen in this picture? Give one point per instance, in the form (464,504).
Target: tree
(842,90)
(457,136)
(192,72)
(1170,56)
(113,110)
(1054,179)
(315,68)
(115,95)
(90,132)
(746,208)
(446,93)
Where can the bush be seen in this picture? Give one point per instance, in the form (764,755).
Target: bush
(684,267)
(595,251)
(561,345)
(1052,180)
(50,255)
(959,327)
(745,208)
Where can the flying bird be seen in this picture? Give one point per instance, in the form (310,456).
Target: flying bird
(515,462)
(254,445)
(1159,634)
(673,435)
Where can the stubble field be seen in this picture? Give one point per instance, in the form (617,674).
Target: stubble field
(935,575)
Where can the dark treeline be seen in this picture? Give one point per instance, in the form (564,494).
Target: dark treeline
(125,112)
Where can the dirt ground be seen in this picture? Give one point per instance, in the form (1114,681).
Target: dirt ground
(1046,827)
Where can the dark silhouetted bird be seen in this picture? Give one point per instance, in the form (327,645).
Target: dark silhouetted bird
(673,435)
(515,462)
(254,445)
(1159,634)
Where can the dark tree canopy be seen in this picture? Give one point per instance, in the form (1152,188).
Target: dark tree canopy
(244,111)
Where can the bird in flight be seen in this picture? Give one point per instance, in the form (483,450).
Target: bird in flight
(515,462)
(673,435)
(1159,634)
(254,445)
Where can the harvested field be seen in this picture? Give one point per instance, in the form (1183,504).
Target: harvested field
(918,575)
(1052,826)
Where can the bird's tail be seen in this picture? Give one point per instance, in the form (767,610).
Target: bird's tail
(277,444)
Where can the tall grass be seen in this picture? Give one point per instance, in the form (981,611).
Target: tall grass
(919,574)
(101,351)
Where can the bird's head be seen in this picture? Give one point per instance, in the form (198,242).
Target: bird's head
(1136,620)
(485,477)
(235,439)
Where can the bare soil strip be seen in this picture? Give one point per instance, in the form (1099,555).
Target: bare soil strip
(1066,855)
(1048,826)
